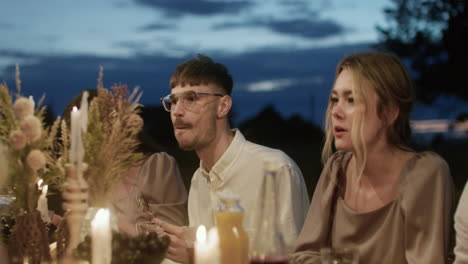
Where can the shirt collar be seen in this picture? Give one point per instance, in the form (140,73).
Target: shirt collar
(216,174)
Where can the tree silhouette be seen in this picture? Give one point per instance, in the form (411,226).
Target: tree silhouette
(433,36)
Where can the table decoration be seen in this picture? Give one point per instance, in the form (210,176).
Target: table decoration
(101,239)
(97,146)
(75,188)
(42,202)
(29,148)
(145,248)
(110,139)
(207,246)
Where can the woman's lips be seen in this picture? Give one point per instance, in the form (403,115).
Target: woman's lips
(339,131)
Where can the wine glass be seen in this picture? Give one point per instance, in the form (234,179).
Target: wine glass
(339,255)
(142,203)
(6,198)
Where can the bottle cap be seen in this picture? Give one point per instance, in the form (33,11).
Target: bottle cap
(228,195)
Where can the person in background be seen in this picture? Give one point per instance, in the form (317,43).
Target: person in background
(152,187)
(375,194)
(199,104)
(461,229)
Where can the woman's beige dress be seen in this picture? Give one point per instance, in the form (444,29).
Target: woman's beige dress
(159,182)
(413,228)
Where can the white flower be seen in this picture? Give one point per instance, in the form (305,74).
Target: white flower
(3,164)
(36,159)
(24,107)
(18,139)
(32,128)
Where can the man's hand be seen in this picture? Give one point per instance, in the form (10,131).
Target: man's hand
(180,249)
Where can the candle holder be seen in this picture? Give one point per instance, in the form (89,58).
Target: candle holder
(75,196)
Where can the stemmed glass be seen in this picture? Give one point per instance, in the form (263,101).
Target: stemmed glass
(146,226)
(142,203)
(339,256)
(6,198)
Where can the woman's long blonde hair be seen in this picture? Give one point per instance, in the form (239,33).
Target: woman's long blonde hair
(391,83)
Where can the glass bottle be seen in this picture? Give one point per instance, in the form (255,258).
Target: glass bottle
(268,245)
(233,240)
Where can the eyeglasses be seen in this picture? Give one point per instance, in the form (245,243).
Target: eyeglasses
(187,99)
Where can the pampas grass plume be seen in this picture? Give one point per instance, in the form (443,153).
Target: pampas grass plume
(32,127)
(18,139)
(24,107)
(36,159)
(135,121)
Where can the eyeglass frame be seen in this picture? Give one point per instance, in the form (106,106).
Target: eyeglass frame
(167,97)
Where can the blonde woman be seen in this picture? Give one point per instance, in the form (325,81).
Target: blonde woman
(375,194)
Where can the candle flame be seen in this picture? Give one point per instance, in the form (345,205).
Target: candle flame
(39,183)
(75,109)
(201,234)
(102,218)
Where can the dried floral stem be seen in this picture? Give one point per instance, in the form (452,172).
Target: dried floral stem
(33,156)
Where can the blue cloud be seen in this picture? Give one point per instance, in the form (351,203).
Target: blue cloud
(196,7)
(307,28)
(157,27)
(311,29)
(301,75)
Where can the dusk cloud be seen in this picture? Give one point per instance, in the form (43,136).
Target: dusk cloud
(157,26)
(306,28)
(311,29)
(287,77)
(196,7)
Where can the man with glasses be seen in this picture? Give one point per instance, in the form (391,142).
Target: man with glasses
(199,104)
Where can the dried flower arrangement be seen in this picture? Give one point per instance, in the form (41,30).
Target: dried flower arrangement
(28,150)
(110,140)
(28,146)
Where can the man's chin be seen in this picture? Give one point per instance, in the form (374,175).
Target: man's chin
(186,147)
(183,145)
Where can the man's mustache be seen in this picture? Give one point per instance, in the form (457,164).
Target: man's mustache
(179,122)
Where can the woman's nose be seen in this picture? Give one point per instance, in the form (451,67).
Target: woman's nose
(337,111)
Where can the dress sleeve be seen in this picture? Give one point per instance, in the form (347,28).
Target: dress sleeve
(426,208)
(315,232)
(161,184)
(293,202)
(461,228)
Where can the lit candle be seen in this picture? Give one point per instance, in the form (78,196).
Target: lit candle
(42,203)
(84,111)
(101,238)
(74,134)
(79,125)
(207,250)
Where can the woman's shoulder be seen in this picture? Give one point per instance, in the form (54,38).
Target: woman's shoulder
(425,169)
(336,165)
(339,159)
(159,158)
(427,162)
(159,162)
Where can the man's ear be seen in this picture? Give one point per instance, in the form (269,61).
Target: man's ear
(224,106)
